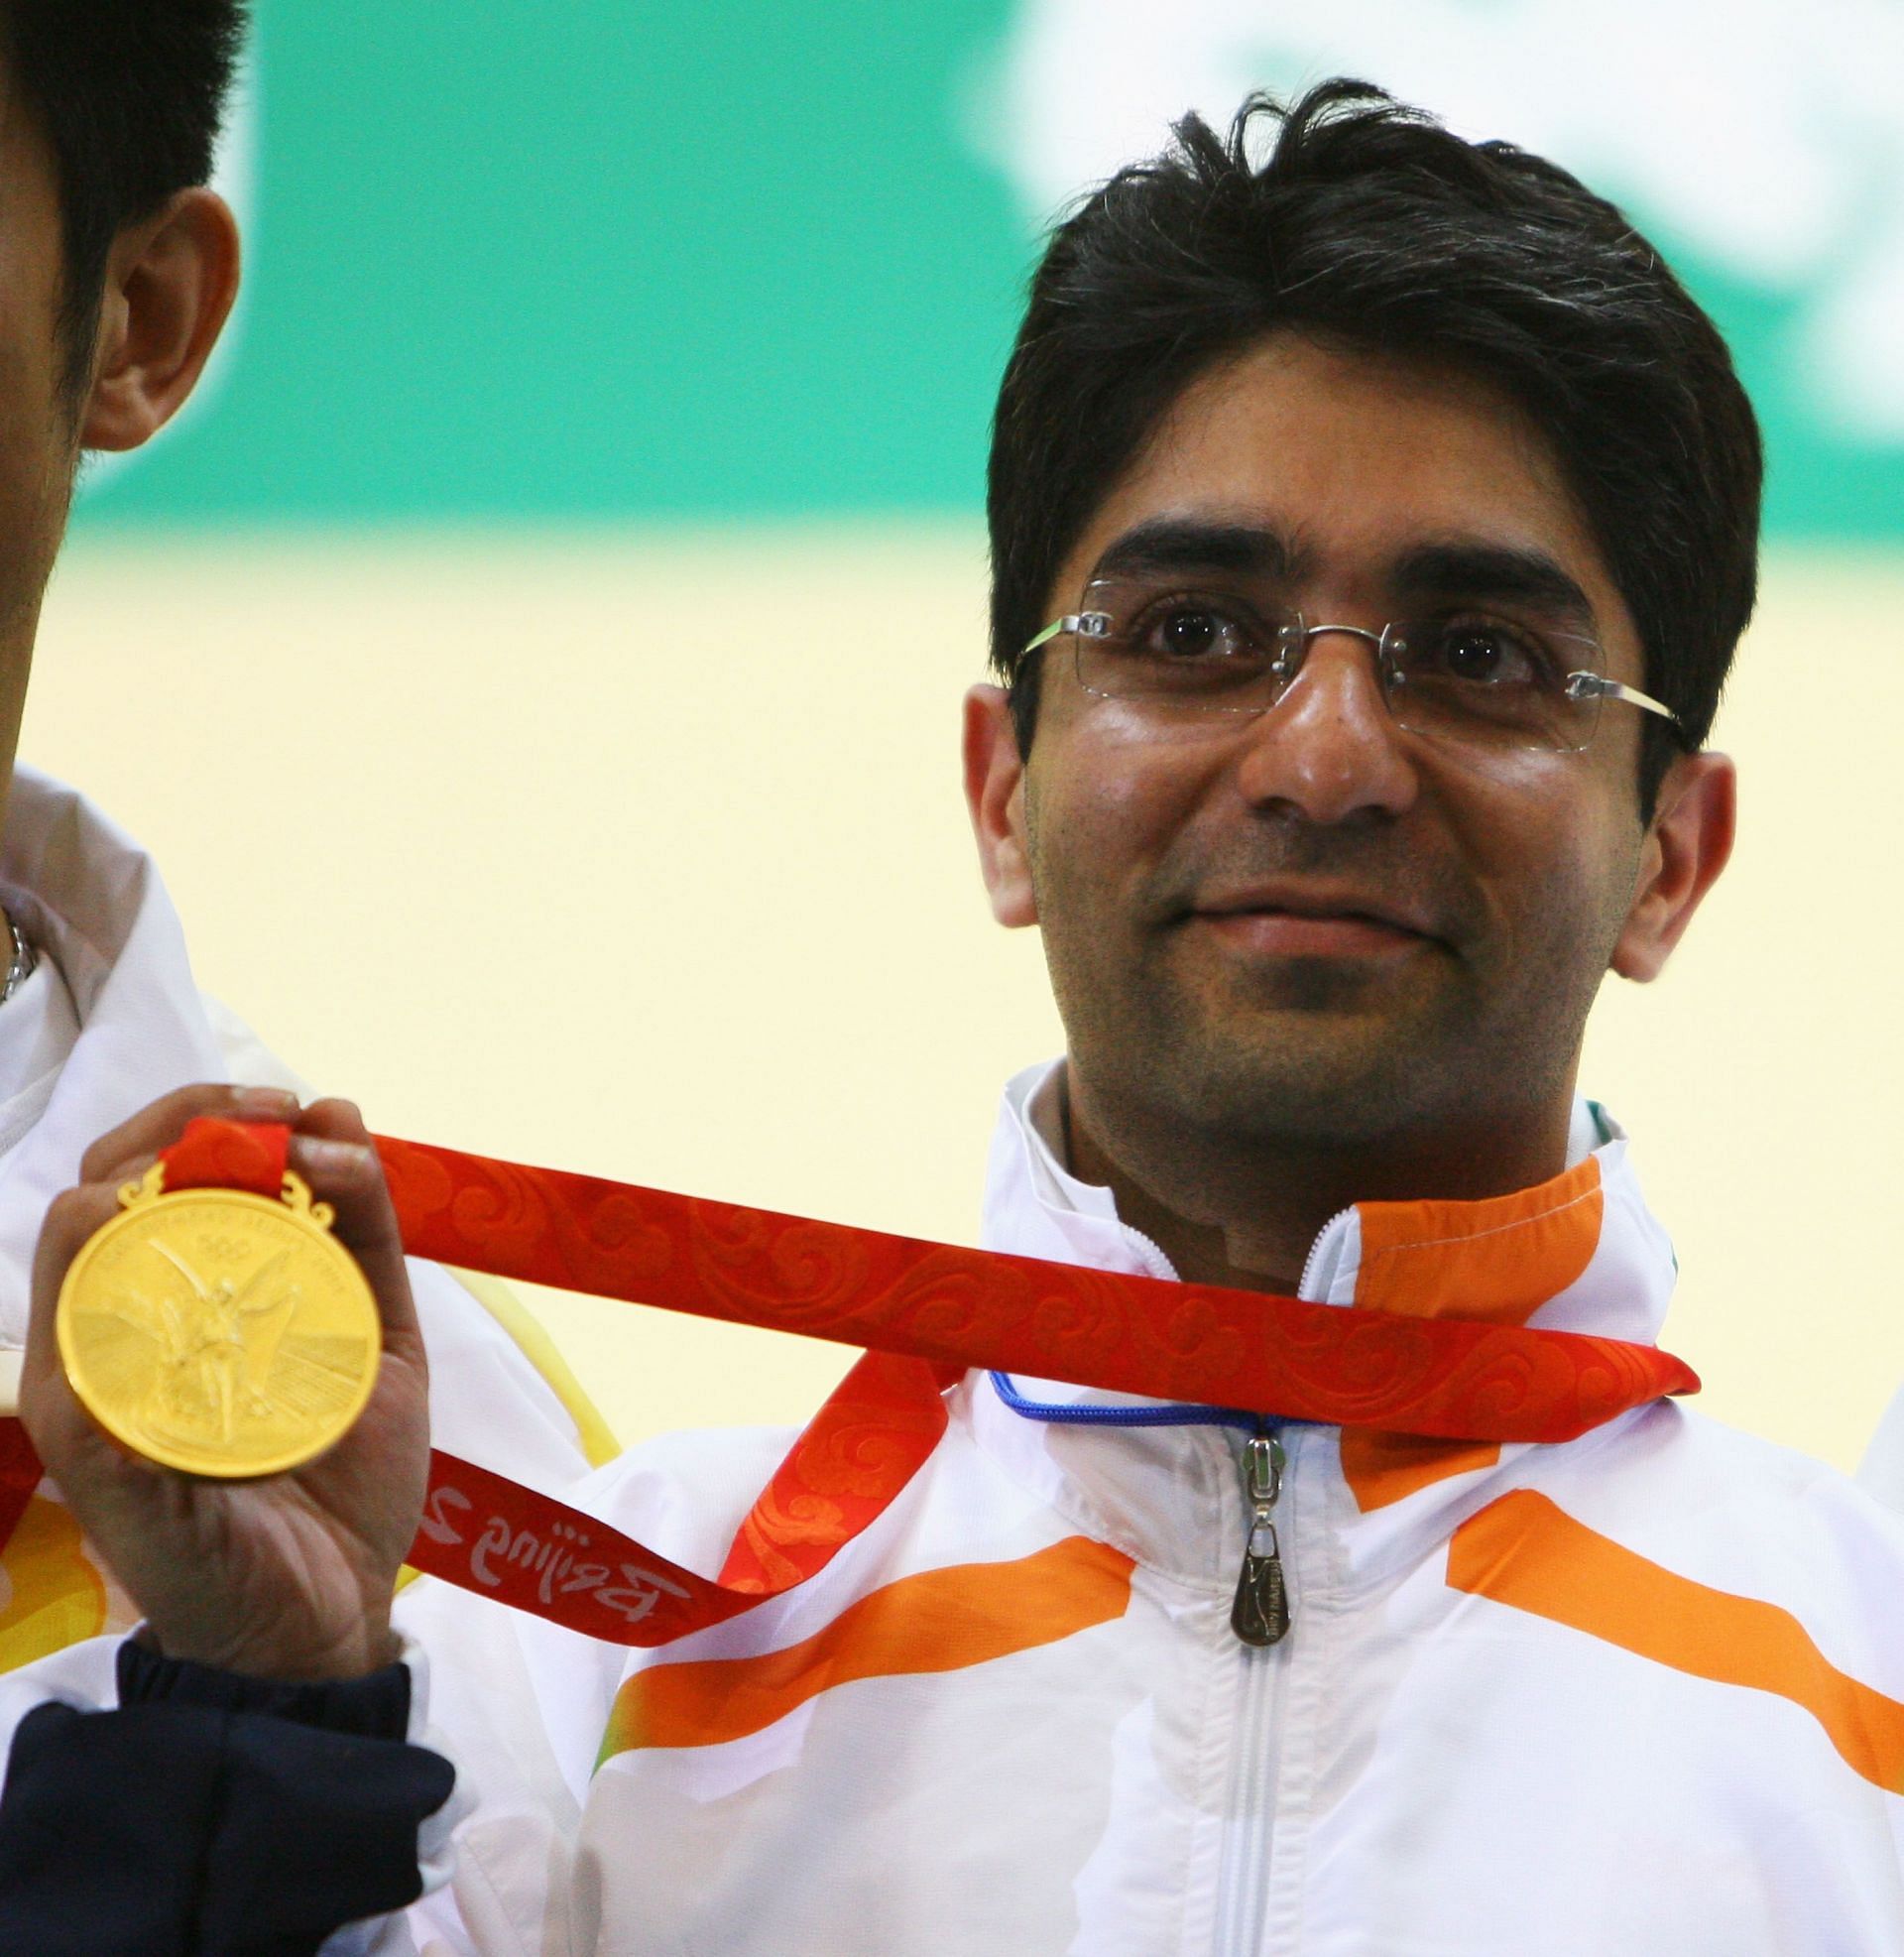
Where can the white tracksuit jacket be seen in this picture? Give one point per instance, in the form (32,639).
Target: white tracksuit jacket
(1641,1693)
(1882,1469)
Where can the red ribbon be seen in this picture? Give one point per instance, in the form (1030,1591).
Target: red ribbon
(19,1476)
(1282,1357)
(929,1311)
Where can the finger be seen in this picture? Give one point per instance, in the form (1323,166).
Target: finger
(72,1218)
(160,1123)
(333,1151)
(335,1118)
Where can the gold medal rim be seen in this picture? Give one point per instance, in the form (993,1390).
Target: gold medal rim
(208,1467)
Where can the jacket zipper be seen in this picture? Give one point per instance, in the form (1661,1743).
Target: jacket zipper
(1150,1253)
(1260,1617)
(1260,1614)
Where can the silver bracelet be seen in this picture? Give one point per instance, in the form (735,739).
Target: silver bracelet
(19,969)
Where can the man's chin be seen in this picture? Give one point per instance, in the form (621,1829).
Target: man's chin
(1323,989)
(1326,999)
(1320,1064)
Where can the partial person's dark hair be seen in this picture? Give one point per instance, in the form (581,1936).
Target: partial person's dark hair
(1367,224)
(129,95)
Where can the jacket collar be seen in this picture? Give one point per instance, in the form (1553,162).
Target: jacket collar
(1580,1253)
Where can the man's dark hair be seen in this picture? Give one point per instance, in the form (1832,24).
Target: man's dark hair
(129,95)
(1368,225)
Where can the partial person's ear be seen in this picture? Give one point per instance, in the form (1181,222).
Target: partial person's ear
(995,795)
(171,280)
(1687,846)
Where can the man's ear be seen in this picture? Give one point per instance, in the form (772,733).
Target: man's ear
(995,795)
(171,280)
(1686,847)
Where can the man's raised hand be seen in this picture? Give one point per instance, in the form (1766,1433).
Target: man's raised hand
(287,1576)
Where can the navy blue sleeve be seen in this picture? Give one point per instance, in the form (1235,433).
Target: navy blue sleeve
(212,1815)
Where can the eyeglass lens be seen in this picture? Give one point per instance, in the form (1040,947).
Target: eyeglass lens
(1462,674)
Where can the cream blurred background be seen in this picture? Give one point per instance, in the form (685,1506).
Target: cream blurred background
(646,858)
(534,659)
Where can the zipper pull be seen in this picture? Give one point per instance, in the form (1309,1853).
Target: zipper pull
(1260,1614)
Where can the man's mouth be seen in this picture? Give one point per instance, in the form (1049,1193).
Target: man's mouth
(1289,920)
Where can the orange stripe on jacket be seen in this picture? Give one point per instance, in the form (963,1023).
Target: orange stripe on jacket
(1500,1261)
(1528,1553)
(941,1620)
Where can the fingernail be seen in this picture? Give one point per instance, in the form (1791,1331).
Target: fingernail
(332,1158)
(264,1104)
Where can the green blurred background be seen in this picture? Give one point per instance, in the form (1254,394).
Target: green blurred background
(592,260)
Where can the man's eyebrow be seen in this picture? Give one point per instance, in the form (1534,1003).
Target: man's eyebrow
(1180,543)
(1501,571)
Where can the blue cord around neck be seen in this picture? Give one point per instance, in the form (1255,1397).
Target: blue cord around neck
(1176,1414)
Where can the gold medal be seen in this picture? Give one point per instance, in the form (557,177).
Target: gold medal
(219,1332)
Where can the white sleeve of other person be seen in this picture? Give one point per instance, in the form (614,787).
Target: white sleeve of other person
(110,1019)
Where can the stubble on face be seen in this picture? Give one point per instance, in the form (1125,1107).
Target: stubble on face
(1309,1054)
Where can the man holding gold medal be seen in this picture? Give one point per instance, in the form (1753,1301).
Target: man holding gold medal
(1373,519)
(120,269)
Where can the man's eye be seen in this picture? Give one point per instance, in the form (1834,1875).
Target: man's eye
(1479,654)
(1192,632)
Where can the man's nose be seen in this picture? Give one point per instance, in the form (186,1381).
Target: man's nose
(1329,748)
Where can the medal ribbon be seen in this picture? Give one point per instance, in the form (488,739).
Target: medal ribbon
(927,1312)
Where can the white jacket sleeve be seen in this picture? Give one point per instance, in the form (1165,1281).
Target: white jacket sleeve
(1881,1473)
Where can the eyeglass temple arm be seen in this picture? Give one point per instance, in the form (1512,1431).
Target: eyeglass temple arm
(1069,623)
(1590,684)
